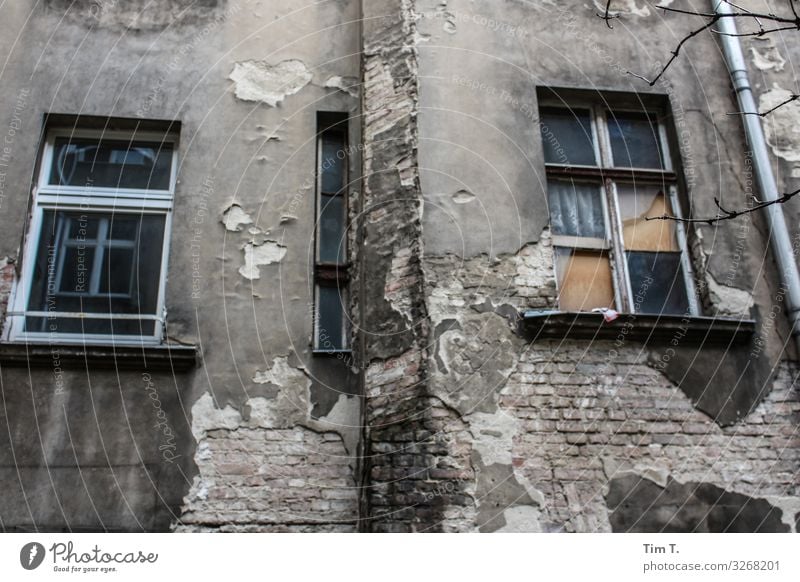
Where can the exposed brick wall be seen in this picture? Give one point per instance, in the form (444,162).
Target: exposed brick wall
(407,463)
(256,479)
(7,274)
(584,421)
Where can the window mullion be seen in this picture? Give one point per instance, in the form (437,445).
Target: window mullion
(686,263)
(99,255)
(619,265)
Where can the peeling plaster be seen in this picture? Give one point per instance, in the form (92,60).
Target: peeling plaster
(782,126)
(256,255)
(463,197)
(259,81)
(234,218)
(728,300)
(768,60)
(342,419)
(615,467)
(522,519)
(349,85)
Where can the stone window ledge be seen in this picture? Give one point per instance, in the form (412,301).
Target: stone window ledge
(171,357)
(645,328)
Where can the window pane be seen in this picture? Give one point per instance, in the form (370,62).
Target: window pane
(657,283)
(636,205)
(111,164)
(128,280)
(83,227)
(634,141)
(117,272)
(332,164)
(332,230)
(124,227)
(76,269)
(330,318)
(584,280)
(567,137)
(576,209)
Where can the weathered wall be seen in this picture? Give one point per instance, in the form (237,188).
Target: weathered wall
(558,433)
(245,78)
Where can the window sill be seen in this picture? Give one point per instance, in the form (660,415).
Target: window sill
(645,328)
(171,357)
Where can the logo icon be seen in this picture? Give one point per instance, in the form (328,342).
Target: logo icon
(31,555)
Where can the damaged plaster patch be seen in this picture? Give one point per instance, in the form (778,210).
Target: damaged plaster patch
(281,374)
(463,197)
(234,218)
(625,7)
(342,419)
(782,126)
(347,85)
(259,81)
(769,59)
(728,300)
(258,255)
(522,519)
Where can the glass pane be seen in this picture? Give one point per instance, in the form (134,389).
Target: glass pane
(584,280)
(330,318)
(567,137)
(657,283)
(634,141)
(117,271)
(331,230)
(83,227)
(128,283)
(111,164)
(576,209)
(124,227)
(76,269)
(636,205)
(333,162)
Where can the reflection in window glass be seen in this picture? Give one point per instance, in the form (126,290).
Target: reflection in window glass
(82,267)
(332,164)
(576,209)
(92,163)
(657,282)
(332,230)
(330,318)
(567,137)
(634,141)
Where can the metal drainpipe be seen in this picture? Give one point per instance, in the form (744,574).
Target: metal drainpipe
(779,235)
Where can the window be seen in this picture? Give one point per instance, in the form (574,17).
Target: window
(331,270)
(95,257)
(608,170)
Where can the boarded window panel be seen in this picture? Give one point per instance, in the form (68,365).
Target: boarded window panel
(637,204)
(584,280)
(634,141)
(657,283)
(576,208)
(567,137)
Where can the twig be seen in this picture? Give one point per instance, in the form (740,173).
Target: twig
(724,214)
(607,15)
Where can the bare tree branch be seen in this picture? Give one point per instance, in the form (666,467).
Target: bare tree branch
(794,97)
(607,15)
(725,214)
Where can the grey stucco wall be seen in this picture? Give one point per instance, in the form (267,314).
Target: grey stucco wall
(174,61)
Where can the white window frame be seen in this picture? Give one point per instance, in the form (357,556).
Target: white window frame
(87,200)
(598,112)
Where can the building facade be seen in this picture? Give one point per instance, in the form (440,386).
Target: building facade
(387,266)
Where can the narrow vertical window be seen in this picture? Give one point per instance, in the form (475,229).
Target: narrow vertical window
(331,269)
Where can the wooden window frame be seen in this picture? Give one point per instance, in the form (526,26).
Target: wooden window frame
(608,176)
